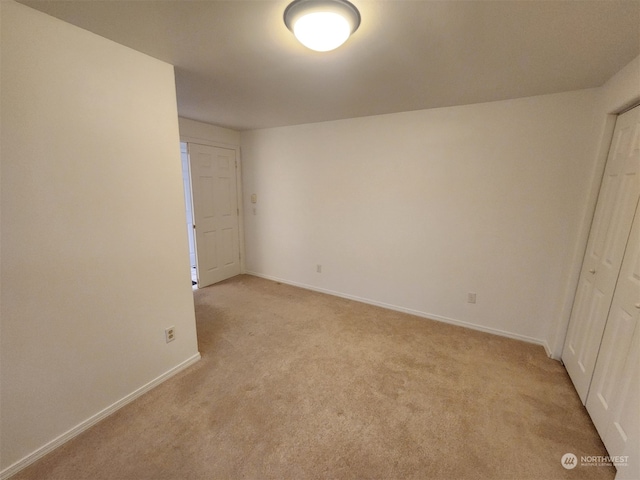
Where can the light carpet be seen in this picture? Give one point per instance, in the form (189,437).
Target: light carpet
(295,384)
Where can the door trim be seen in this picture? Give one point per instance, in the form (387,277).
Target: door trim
(559,333)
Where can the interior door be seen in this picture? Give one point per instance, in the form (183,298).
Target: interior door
(607,241)
(215,212)
(613,402)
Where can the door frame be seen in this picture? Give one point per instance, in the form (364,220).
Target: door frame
(613,221)
(606,125)
(239,196)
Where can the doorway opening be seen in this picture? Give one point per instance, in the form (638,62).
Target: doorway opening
(189,206)
(210,178)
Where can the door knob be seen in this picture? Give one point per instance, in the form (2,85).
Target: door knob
(593,270)
(638,305)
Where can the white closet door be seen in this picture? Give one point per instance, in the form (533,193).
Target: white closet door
(613,402)
(215,211)
(605,249)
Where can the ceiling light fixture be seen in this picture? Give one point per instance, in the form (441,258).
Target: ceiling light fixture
(322,25)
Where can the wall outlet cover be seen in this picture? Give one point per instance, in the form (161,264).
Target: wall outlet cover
(170,334)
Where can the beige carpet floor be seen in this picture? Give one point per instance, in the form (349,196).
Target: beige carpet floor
(295,384)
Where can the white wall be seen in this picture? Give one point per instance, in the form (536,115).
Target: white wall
(413,210)
(623,89)
(94,249)
(191,131)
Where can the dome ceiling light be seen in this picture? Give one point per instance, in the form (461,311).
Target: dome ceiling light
(322,25)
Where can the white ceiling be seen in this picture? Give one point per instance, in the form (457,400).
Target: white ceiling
(239,67)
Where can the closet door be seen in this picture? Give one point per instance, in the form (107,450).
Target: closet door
(607,241)
(613,402)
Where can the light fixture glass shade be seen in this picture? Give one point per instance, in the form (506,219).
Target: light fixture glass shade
(322,25)
(322,31)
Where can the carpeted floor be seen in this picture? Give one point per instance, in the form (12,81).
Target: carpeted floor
(295,384)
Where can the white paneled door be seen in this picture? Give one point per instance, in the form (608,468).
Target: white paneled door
(215,212)
(613,401)
(605,249)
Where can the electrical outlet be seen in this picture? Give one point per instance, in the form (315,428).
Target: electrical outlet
(471,297)
(319,268)
(170,334)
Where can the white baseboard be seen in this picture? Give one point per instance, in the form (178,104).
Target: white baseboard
(547,349)
(68,435)
(430,316)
